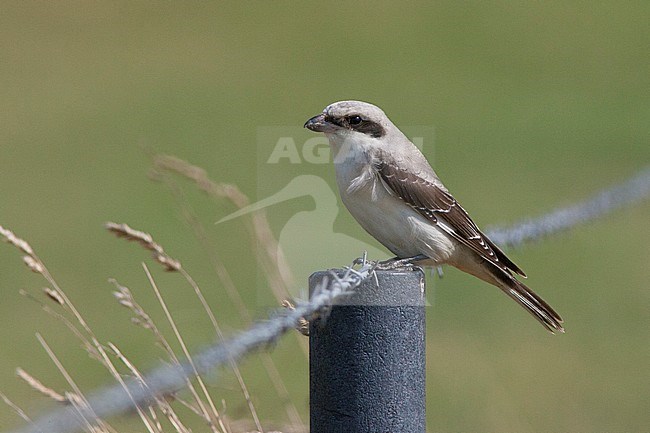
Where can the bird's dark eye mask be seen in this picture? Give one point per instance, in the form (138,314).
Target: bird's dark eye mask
(359,124)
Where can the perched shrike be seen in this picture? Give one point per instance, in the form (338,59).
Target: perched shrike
(391,190)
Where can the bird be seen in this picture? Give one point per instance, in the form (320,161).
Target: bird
(392,191)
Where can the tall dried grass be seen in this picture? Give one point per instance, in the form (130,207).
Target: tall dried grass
(55,302)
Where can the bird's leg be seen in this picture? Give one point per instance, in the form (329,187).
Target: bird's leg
(397,262)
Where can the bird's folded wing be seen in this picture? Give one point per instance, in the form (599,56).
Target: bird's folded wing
(438,206)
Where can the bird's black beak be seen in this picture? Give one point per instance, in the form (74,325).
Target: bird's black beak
(319,124)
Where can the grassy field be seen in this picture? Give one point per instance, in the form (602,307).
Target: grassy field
(525,106)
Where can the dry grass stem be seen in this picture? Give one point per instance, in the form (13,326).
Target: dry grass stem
(143,417)
(141,318)
(21,413)
(92,351)
(125,298)
(30,259)
(38,386)
(271,260)
(33,264)
(37,265)
(146,241)
(53,295)
(161,402)
(233,364)
(80,401)
(189,405)
(213,413)
(90,342)
(14,240)
(227,282)
(136,374)
(269,257)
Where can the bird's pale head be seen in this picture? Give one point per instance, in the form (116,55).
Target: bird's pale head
(349,119)
(359,130)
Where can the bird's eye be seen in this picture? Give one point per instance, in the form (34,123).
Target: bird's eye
(355,120)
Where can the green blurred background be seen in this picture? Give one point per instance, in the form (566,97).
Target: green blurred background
(534,105)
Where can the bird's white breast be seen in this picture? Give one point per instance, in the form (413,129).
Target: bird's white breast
(386,217)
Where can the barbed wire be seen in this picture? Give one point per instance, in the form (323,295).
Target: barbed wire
(168,379)
(631,191)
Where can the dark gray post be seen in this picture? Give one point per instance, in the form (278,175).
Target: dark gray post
(367,358)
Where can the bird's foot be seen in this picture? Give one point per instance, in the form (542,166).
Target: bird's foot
(400,263)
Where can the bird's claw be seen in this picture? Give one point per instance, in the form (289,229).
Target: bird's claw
(397,263)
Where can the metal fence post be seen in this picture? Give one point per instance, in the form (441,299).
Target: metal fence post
(367,358)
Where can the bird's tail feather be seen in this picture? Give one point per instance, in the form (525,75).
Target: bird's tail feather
(535,305)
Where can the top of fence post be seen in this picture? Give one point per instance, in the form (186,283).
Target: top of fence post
(367,357)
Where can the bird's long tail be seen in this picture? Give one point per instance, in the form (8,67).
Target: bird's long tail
(535,305)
